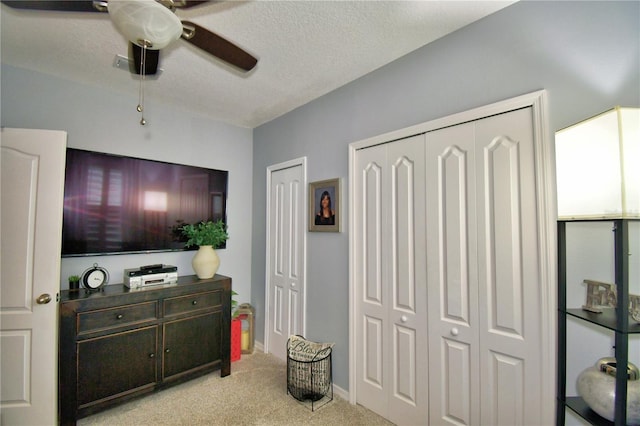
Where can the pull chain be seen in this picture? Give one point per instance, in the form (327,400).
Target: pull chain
(143,62)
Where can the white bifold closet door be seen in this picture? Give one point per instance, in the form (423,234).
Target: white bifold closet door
(482,263)
(448,282)
(391,288)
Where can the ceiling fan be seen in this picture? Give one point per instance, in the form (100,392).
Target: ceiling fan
(149,26)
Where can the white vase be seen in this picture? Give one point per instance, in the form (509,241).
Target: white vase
(598,389)
(205,262)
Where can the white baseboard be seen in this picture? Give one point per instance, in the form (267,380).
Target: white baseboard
(337,390)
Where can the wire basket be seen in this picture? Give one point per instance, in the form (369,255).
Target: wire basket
(310,381)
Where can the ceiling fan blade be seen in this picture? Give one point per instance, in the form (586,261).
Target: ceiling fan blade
(217,46)
(65,6)
(151,60)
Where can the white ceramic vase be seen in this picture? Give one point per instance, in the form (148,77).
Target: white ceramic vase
(598,389)
(205,262)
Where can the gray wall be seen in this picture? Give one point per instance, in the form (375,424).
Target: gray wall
(108,122)
(585,54)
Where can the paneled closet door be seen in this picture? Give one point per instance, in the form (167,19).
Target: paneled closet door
(452,275)
(484,283)
(509,271)
(391,281)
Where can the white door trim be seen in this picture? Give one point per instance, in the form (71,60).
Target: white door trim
(545,195)
(302,161)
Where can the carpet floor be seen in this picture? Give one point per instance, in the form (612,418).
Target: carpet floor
(255,393)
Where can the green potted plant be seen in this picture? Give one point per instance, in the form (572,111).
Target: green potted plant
(207,235)
(234,305)
(74,282)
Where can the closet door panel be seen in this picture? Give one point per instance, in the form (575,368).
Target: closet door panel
(391,289)
(372,313)
(508,269)
(372,201)
(456,379)
(373,354)
(453,241)
(452,295)
(506,392)
(502,225)
(408,400)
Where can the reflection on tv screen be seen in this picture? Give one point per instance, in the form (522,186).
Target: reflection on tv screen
(115,204)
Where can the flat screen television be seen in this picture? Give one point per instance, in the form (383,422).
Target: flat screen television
(116,205)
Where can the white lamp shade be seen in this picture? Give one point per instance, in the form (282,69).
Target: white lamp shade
(145,20)
(598,166)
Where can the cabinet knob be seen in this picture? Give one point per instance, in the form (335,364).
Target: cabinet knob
(454,331)
(195,302)
(119,316)
(152,355)
(403,318)
(167,350)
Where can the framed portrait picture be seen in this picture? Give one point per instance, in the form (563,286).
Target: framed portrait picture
(324,206)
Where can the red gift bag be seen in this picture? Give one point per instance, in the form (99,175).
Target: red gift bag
(236,339)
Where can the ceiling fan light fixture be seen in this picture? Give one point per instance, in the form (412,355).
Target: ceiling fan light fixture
(145,21)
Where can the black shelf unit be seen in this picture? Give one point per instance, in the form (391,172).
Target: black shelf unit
(615,319)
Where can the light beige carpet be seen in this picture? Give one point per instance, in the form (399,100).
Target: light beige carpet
(254,394)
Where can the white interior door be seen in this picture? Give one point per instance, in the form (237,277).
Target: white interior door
(391,329)
(484,281)
(32,181)
(286,255)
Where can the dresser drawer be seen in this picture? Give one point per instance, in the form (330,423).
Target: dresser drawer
(191,303)
(116,317)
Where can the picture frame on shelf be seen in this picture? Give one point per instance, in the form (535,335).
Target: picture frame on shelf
(325,205)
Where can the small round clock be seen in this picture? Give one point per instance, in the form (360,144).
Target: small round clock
(95,278)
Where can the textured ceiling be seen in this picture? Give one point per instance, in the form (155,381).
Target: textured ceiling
(305,49)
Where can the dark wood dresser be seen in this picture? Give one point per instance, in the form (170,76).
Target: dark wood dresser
(117,343)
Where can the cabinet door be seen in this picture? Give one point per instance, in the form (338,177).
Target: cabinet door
(116,364)
(191,343)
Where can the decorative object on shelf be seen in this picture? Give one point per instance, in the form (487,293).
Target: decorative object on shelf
(74,282)
(205,262)
(634,307)
(208,236)
(597,386)
(94,278)
(597,174)
(246,314)
(599,294)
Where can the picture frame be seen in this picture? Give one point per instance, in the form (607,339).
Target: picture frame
(329,220)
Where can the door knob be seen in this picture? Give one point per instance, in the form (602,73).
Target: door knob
(43,299)
(454,331)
